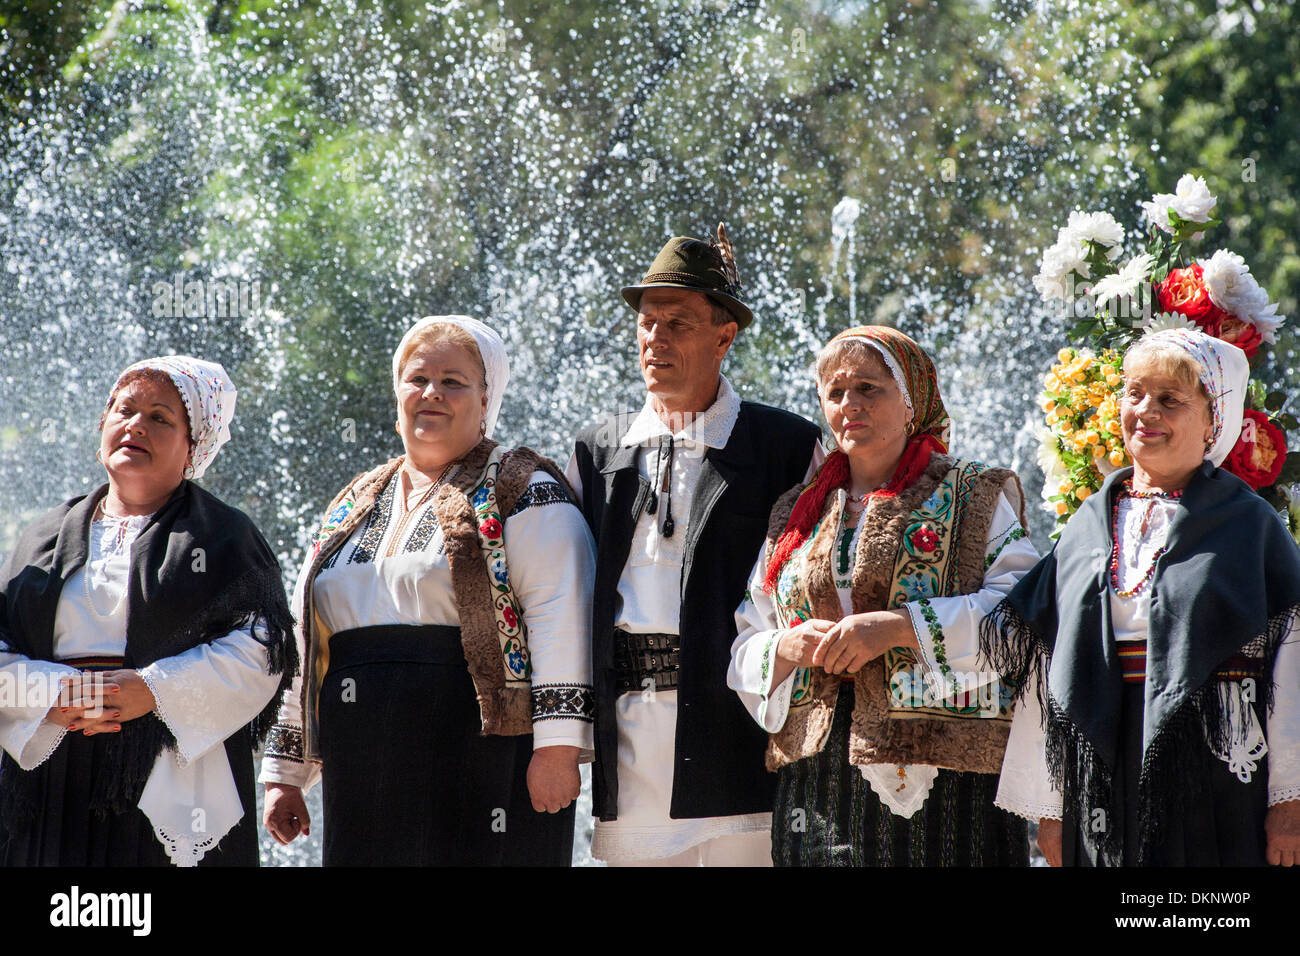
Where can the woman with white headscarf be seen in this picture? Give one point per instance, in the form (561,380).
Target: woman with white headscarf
(144,634)
(1156,647)
(444,611)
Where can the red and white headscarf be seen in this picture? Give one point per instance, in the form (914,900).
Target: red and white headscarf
(918,383)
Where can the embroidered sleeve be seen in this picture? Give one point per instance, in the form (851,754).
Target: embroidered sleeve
(553,701)
(1014,534)
(552,565)
(540,494)
(285,761)
(753,656)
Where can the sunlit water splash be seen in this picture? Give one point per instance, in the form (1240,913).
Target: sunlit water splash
(364,171)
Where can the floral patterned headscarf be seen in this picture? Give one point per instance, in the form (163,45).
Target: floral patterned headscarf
(914,372)
(1223,370)
(918,383)
(209,397)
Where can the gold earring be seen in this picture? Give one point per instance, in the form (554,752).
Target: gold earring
(909,429)
(482,427)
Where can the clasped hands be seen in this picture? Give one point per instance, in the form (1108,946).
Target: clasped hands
(99,702)
(843,646)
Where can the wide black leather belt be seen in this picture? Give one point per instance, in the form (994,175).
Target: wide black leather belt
(645,661)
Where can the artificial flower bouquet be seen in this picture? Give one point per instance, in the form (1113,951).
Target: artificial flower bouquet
(1113,305)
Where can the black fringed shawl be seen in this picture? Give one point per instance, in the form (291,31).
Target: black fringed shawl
(1228,584)
(200,569)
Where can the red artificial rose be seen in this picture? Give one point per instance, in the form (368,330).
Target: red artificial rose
(1241,334)
(491,529)
(1184,292)
(925,539)
(1260,452)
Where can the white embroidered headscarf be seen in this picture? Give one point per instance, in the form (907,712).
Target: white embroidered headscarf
(1224,371)
(209,397)
(491,349)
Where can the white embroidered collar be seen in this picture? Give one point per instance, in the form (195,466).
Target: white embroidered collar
(711,427)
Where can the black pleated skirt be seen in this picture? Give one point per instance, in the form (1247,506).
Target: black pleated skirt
(1219,822)
(408,778)
(826,814)
(66,831)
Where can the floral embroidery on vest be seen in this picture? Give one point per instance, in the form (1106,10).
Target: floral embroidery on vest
(793,607)
(505,607)
(331,524)
(926,566)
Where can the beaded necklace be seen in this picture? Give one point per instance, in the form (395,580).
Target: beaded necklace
(1128,492)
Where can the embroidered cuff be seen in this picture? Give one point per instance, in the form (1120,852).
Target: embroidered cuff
(539,494)
(284,742)
(574,701)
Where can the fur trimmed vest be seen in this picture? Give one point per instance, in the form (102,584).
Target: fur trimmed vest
(471,507)
(928,541)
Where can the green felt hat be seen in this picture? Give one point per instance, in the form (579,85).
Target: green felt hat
(708,267)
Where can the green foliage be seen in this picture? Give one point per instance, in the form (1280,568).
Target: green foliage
(1223,102)
(373,162)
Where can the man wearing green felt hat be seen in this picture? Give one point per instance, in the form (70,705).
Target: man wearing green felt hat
(678,496)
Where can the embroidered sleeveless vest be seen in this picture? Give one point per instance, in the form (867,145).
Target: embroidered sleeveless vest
(929,541)
(471,509)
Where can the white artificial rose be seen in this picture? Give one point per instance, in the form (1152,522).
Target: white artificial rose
(1234,290)
(1126,281)
(1098,227)
(1157,210)
(1190,199)
(1060,260)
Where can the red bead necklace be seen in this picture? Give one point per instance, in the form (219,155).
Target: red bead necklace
(1128,492)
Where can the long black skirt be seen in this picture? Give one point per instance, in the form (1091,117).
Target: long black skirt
(408,778)
(66,830)
(1220,821)
(826,814)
